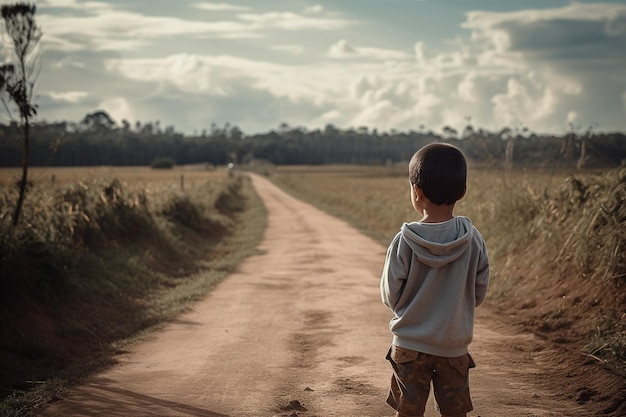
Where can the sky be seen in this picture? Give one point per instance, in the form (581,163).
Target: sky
(549,66)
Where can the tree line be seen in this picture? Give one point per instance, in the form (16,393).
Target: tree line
(99,140)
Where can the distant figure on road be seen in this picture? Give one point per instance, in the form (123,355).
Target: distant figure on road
(436,273)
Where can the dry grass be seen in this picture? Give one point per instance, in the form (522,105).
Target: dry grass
(193,175)
(98,260)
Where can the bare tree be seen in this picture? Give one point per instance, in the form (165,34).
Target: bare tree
(17,80)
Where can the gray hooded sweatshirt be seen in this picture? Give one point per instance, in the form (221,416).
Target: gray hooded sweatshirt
(434,277)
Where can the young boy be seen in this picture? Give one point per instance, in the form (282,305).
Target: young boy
(436,273)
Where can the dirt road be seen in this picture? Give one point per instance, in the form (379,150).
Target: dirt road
(299,330)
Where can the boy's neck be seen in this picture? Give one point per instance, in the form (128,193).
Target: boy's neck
(437,214)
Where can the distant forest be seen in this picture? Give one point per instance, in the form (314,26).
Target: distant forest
(98,140)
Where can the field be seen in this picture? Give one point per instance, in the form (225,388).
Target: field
(139,175)
(377,198)
(555,241)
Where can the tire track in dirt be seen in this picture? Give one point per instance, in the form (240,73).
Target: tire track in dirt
(298,330)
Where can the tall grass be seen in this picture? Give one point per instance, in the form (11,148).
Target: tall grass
(99,260)
(556,239)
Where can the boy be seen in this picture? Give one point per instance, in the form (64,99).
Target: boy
(436,273)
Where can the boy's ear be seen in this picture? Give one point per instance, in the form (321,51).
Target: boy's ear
(418,192)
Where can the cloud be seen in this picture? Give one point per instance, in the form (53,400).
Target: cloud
(572,117)
(529,67)
(220,7)
(561,61)
(119,108)
(130,30)
(103,27)
(319,89)
(192,74)
(293,21)
(467,87)
(72,84)
(521,104)
(73,4)
(342,49)
(317,8)
(69,96)
(573,34)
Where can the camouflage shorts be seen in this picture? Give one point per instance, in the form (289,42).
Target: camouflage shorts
(412,376)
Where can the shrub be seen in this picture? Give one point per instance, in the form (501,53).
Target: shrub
(587,215)
(163,163)
(181,210)
(230,199)
(90,259)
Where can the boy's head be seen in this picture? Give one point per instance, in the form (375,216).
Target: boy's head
(440,170)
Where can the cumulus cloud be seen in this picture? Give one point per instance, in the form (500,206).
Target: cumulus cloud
(532,67)
(327,89)
(520,103)
(555,58)
(224,75)
(467,87)
(342,49)
(192,74)
(119,108)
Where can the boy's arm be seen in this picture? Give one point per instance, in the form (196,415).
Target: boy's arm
(482,276)
(394,274)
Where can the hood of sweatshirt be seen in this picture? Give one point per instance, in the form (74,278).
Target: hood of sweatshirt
(437,244)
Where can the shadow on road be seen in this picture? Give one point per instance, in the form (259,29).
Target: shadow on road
(100,399)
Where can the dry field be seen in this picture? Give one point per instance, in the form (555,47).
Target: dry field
(157,185)
(376,199)
(192,175)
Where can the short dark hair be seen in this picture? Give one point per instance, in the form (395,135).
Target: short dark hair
(440,170)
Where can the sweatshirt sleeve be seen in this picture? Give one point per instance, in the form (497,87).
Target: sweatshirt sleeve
(394,274)
(482,275)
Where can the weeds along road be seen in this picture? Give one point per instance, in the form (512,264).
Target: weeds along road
(297,330)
